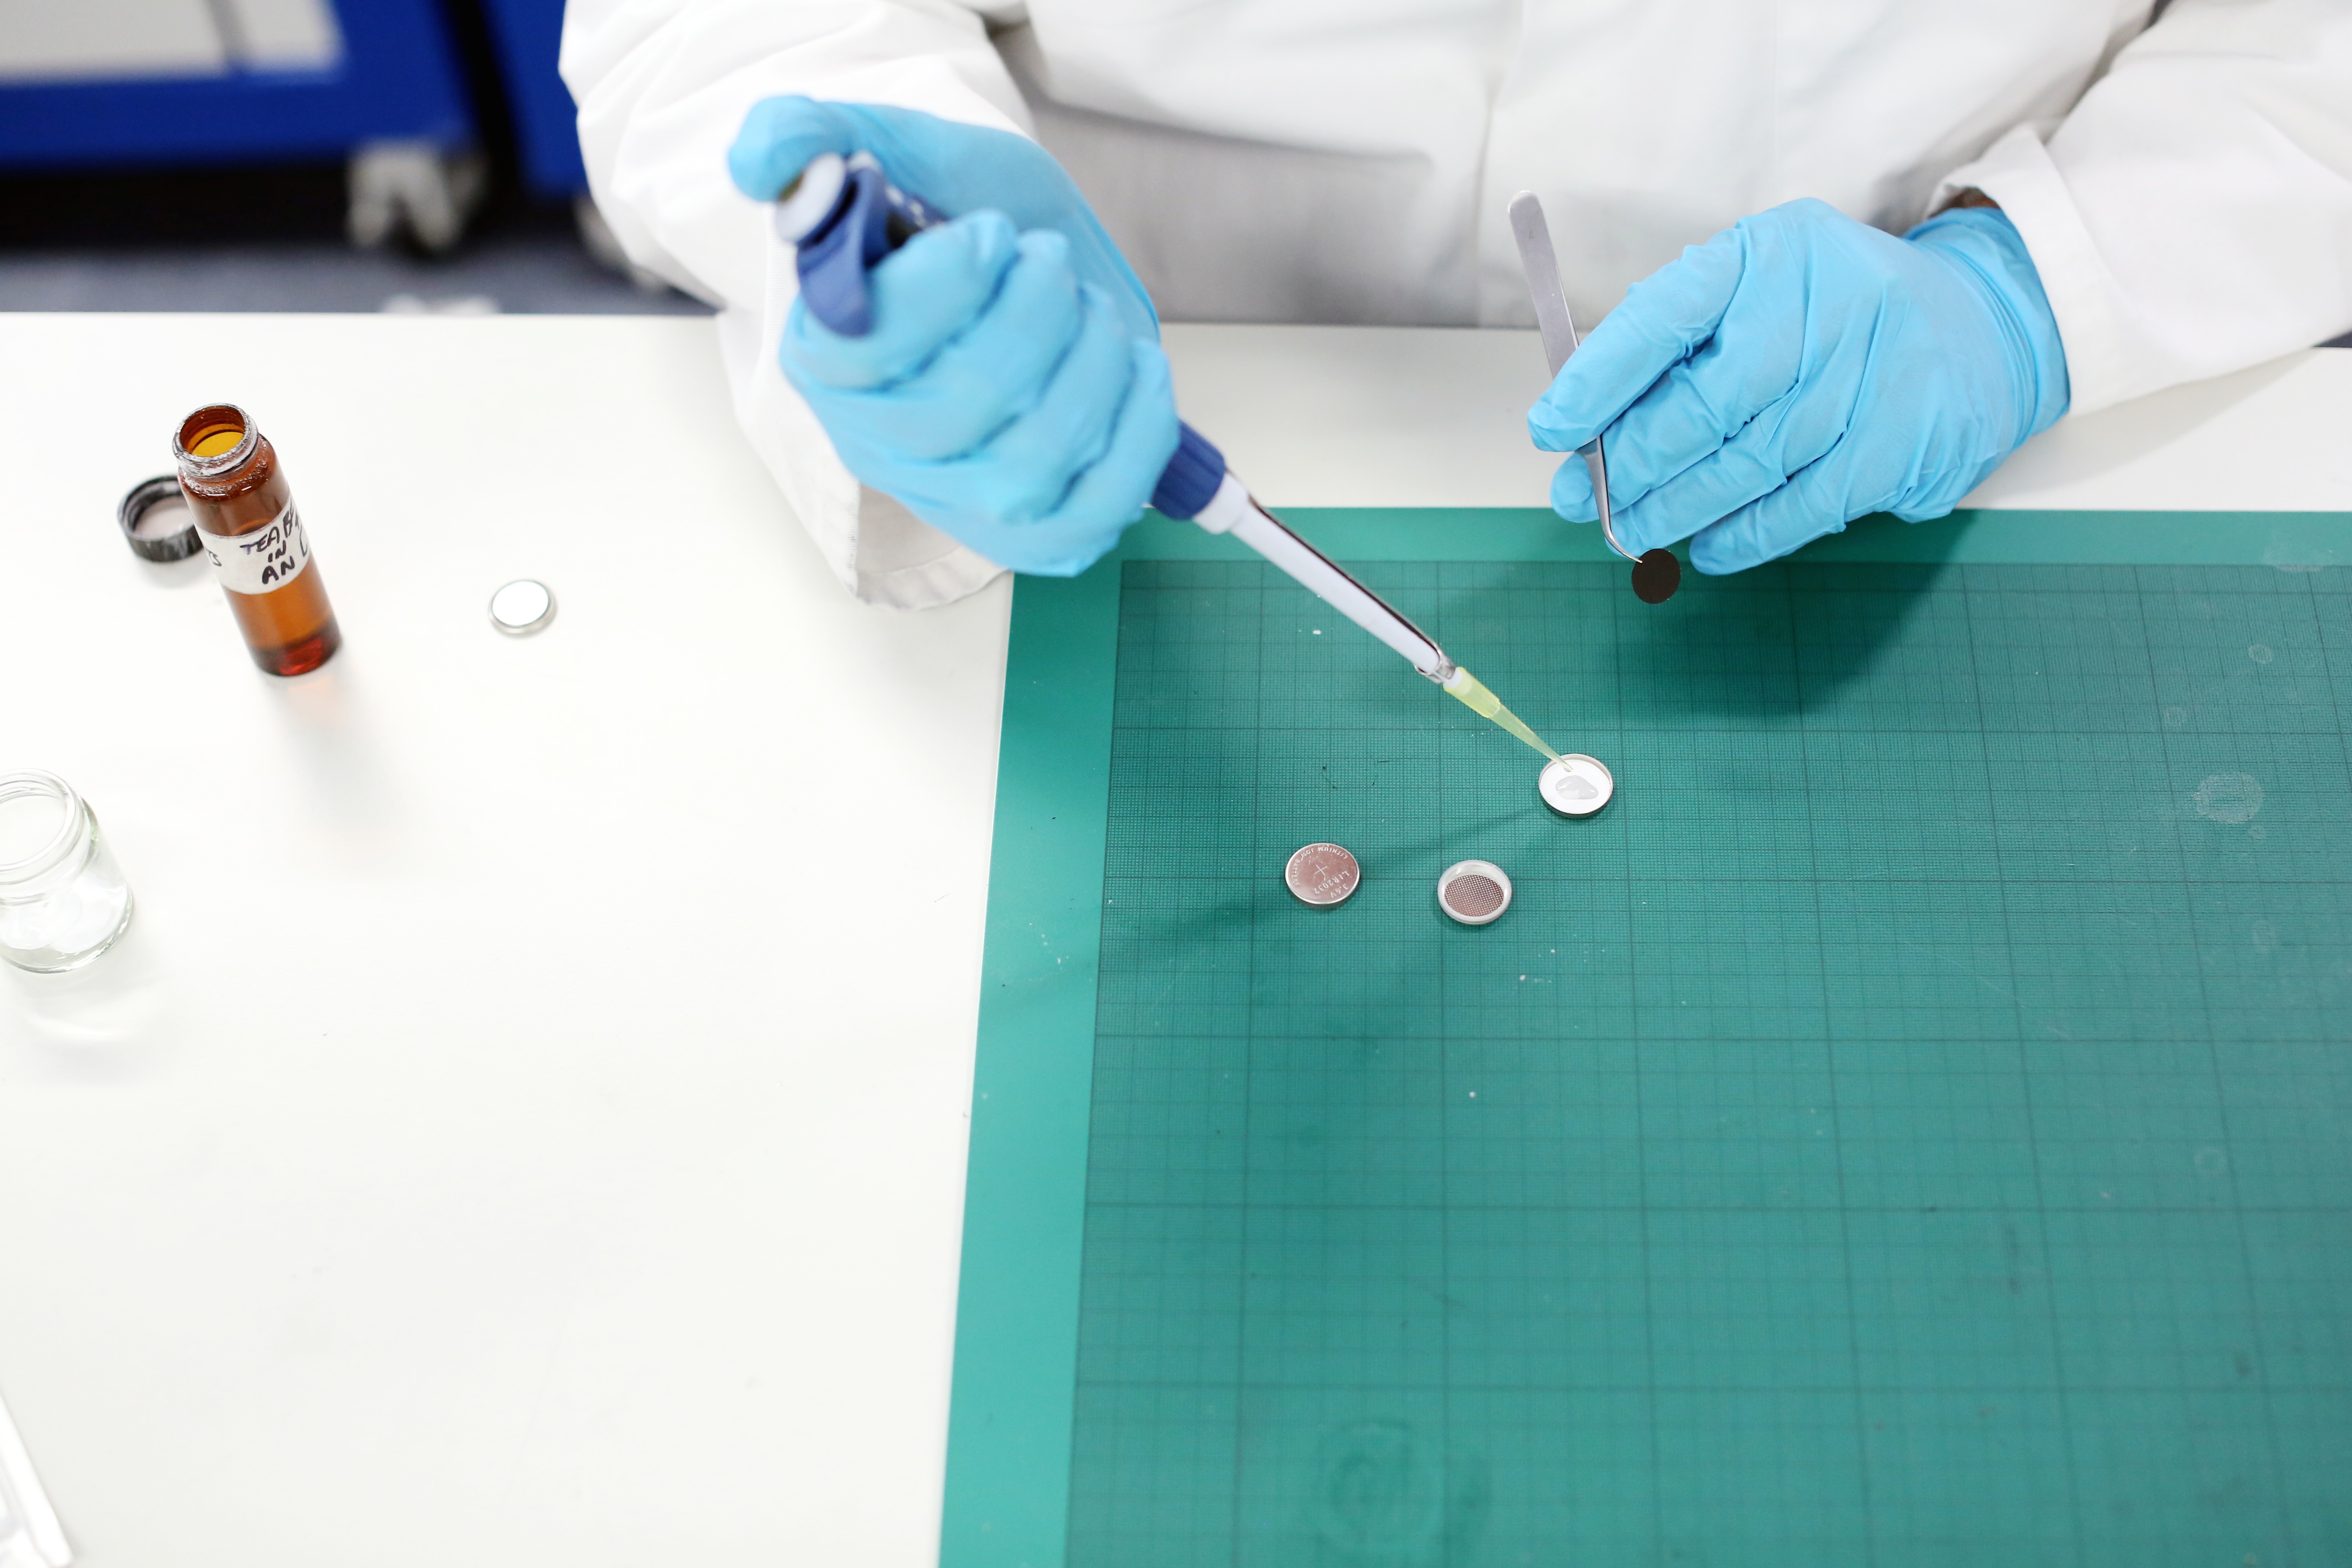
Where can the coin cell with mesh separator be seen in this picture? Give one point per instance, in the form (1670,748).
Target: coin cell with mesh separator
(1575,785)
(1475,892)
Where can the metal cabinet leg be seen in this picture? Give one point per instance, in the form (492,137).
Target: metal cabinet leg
(421,191)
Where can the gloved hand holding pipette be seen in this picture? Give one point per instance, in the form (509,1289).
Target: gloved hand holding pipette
(1012,392)
(1800,369)
(998,438)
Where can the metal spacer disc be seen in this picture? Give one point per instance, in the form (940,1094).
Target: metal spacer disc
(521,607)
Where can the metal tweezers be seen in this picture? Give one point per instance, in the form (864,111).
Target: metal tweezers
(1559,328)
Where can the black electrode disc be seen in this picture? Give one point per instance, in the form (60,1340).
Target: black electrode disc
(1656,575)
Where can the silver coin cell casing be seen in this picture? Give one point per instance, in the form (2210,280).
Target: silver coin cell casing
(1468,913)
(1576,784)
(1322,875)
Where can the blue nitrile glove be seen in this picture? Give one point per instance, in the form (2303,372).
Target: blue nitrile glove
(1800,369)
(1013,391)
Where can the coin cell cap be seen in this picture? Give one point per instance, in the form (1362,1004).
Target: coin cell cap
(1475,892)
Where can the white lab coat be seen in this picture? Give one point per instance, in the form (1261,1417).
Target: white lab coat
(2185,187)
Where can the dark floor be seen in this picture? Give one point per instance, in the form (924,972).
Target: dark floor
(272,240)
(522,273)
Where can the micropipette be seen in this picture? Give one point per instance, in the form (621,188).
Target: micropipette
(843,216)
(1656,572)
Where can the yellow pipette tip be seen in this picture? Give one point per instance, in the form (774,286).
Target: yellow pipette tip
(1472,693)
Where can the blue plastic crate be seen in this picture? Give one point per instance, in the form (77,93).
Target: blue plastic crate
(397,78)
(528,34)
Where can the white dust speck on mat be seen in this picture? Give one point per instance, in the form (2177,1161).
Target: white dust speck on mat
(2260,654)
(2293,556)
(2233,798)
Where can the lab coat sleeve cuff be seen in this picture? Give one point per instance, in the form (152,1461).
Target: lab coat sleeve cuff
(905,562)
(2103,348)
(873,546)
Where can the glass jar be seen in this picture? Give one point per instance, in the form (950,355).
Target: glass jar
(63,900)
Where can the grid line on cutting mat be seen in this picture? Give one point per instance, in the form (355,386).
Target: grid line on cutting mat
(1913,1124)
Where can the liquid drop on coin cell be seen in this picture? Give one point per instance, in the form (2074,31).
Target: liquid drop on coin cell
(1576,784)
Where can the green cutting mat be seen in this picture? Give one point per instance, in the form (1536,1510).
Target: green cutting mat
(1911,1125)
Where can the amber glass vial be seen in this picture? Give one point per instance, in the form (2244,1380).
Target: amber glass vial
(246,522)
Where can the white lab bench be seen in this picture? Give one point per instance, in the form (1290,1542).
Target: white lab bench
(526,1120)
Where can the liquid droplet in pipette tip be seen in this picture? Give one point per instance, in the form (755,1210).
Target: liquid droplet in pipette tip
(1472,693)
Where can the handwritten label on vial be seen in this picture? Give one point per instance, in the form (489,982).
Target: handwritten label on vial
(263,560)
